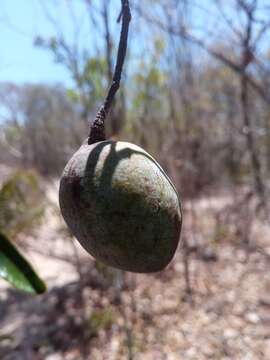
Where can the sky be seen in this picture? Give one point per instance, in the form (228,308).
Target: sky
(21,62)
(22,20)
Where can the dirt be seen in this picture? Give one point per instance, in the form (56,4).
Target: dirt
(92,312)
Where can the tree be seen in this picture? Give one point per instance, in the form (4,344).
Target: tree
(45,129)
(90,70)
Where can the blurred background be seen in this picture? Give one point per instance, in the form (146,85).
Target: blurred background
(196,95)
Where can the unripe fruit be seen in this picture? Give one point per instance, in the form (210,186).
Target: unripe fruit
(121,206)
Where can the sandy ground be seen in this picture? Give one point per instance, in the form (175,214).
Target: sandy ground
(151,316)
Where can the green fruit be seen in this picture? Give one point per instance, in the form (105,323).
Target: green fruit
(121,206)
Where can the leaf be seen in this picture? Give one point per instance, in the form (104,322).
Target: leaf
(16,270)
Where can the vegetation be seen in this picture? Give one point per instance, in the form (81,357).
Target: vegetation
(16,270)
(196,96)
(21,210)
(22,203)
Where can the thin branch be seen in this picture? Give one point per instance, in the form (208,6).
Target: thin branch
(233,65)
(261,33)
(97,130)
(246,44)
(227,19)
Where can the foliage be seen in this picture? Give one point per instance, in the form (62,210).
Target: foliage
(15,269)
(101,319)
(21,209)
(88,73)
(21,203)
(44,129)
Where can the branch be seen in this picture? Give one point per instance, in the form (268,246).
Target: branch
(97,130)
(233,65)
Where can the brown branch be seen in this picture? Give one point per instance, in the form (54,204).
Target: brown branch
(244,97)
(97,130)
(233,65)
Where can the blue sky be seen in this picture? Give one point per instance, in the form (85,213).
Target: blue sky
(22,20)
(20,62)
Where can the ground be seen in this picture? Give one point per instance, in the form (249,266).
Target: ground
(92,312)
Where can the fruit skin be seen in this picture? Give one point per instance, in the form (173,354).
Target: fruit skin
(121,206)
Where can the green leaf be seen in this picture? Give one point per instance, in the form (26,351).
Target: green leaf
(16,270)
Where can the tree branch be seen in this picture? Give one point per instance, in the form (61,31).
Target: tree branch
(97,130)
(233,65)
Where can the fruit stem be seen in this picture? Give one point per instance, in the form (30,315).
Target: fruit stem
(97,129)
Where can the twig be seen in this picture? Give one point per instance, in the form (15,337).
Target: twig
(233,65)
(97,130)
